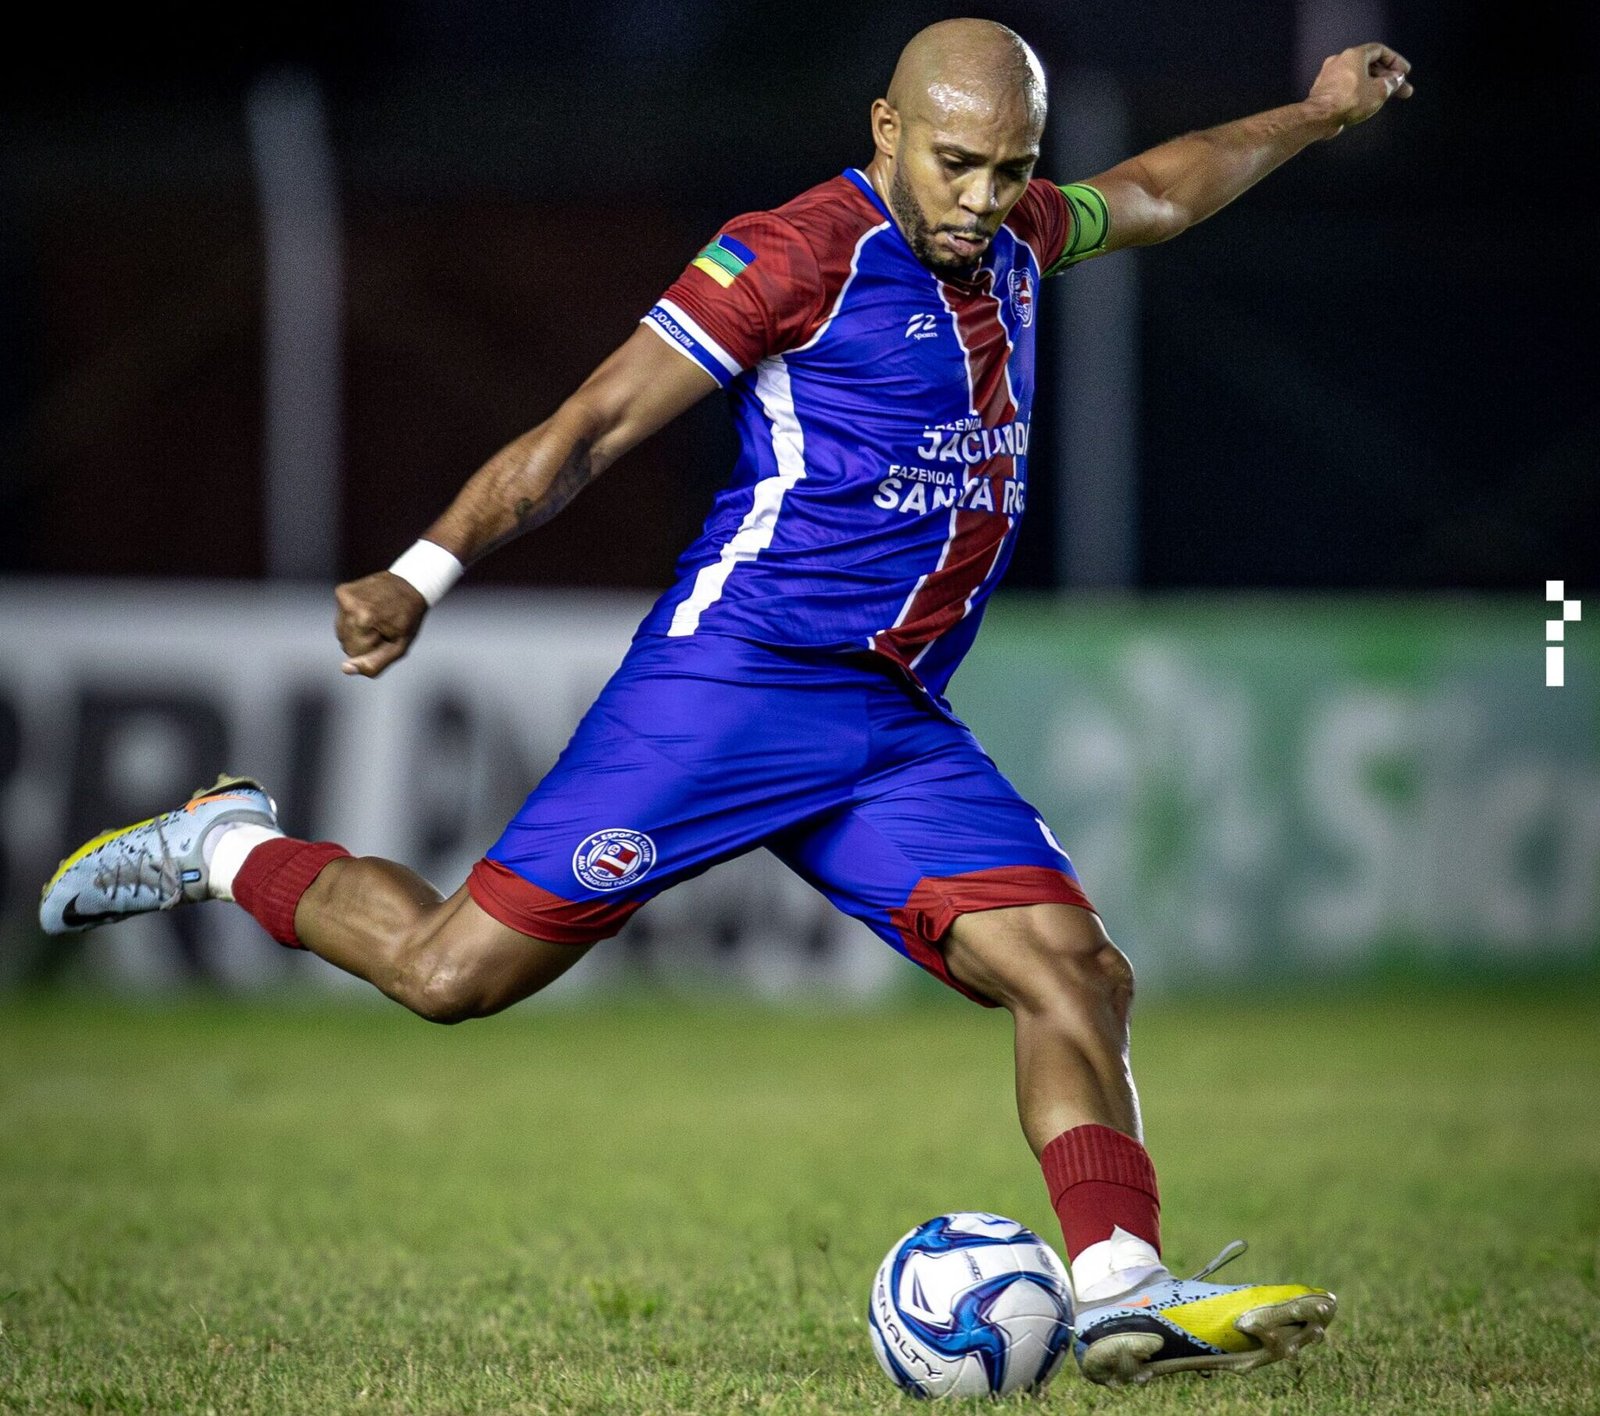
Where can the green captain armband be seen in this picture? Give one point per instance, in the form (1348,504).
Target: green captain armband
(1091,226)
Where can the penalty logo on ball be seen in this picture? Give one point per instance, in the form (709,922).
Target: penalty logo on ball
(612,858)
(970,1304)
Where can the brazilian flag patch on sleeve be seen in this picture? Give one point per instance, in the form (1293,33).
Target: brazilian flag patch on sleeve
(724,260)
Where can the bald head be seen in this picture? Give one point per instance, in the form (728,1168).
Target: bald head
(968,69)
(956,139)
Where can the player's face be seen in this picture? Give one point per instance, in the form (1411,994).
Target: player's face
(956,177)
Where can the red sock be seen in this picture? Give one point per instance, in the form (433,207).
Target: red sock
(273,878)
(1100,1179)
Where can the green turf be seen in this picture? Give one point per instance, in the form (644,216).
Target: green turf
(652,1209)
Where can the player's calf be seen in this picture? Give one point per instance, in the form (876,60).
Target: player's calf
(447,960)
(1069,990)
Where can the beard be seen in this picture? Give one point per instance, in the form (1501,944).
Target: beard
(919,233)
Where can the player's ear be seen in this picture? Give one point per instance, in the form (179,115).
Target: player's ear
(885,127)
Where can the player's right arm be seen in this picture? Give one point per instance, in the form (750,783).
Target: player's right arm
(640,388)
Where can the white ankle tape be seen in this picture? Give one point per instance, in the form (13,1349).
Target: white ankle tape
(1113,1266)
(225,852)
(429,569)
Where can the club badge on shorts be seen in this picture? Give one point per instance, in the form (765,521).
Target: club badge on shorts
(612,858)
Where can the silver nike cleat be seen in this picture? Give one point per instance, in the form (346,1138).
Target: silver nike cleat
(152,865)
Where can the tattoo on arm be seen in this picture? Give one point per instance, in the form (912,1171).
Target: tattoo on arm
(574,475)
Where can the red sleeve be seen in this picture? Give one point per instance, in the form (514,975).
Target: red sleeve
(754,290)
(1043,219)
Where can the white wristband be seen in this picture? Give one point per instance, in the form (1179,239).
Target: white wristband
(429,569)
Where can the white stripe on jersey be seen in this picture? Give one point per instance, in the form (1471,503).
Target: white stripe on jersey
(788,447)
(700,337)
(755,531)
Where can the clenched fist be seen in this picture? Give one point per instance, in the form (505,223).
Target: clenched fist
(379,615)
(1355,83)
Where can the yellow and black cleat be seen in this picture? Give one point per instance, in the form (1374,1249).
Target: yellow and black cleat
(1184,1325)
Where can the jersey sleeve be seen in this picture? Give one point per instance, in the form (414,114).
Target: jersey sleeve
(755,289)
(1063,225)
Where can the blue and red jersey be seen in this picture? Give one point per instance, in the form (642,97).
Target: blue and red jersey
(883,425)
(883,414)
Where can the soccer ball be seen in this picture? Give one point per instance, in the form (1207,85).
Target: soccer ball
(970,1305)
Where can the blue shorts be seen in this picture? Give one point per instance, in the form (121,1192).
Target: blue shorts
(704,747)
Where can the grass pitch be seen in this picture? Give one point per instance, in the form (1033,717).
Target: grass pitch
(646,1208)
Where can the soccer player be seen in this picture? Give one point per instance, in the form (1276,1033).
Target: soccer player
(875,338)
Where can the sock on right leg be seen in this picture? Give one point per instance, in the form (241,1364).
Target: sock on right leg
(1103,1189)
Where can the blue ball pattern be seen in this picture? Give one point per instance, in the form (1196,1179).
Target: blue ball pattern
(970,1331)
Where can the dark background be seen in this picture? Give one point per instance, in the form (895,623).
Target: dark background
(1375,372)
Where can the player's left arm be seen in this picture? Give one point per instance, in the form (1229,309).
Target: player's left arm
(1166,190)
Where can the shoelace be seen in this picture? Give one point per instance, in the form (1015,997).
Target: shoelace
(138,868)
(1230,1251)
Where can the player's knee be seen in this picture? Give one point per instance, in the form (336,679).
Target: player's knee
(1114,971)
(1071,961)
(440,990)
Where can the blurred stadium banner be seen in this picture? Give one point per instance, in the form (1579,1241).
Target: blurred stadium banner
(1262,788)
(1253,790)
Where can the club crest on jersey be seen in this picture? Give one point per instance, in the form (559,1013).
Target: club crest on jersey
(1021,285)
(612,858)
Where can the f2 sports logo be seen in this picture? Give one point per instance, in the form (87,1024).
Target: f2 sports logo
(922,327)
(1555,633)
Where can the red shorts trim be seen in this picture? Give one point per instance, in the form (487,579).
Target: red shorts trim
(937,902)
(523,906)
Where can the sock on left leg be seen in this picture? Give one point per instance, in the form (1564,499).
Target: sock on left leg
(275,875)
(1103,1189)
(224,851)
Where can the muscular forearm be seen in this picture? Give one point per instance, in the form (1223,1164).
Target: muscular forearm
(523,485)
(641,386)
(1200,173)
(1159,193)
